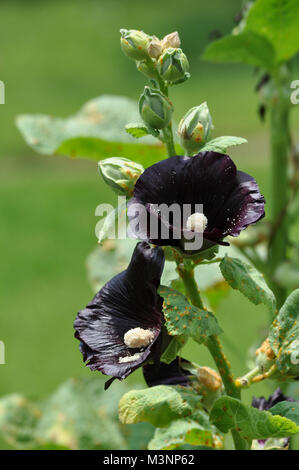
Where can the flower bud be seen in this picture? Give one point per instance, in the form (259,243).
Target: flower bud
(174,66)
(144,67)
(171,40)
(195,127)
(134,43)
(120,174)
(265,357)
(155,109)
(155,48)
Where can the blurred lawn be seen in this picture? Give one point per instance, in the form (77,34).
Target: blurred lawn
(54,56)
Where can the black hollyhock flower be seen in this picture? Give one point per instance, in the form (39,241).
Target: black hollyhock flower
(174,373)
(230,199)
(263,404)
(120,328)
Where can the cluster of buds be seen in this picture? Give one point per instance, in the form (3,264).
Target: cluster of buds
(195,128)
(156,56)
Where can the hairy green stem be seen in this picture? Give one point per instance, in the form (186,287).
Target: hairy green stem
(279,185)
(214,346)
(168,140)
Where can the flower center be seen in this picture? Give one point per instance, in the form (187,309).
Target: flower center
(197,222)
(138,337)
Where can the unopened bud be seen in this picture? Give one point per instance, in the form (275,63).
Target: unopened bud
(171,40)
(265,356)
(155,48)
(134,43)
(120,174)
(155,108)
(195,128)
(148,69)
(174,66)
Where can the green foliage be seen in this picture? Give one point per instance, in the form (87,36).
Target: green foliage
(18,420)
(185,319)
(287,274)
(97,131)
(248,280)
(79,415)
(269,37)
(229,413)
(278,21)
(284,336)
(221,144)
(137,129)
(107,260)
(171,352)
(108,225)
(76,416)
(247,48)
(287,409)
(158,405)
(187,431)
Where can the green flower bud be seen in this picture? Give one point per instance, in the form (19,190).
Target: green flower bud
(265,357)
(145,67)
(134,43)
(155,48)
(171,40)
(173,66)
(155,109)
(195,127)
(120,174)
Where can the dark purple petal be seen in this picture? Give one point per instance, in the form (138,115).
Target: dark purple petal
(231,199)
(168,374)
(265,404)
(127,301)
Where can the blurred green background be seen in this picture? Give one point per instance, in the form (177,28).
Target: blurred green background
(54,56)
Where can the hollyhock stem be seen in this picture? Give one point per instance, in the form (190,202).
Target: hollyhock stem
(168,140)
(279,183)
(214,346)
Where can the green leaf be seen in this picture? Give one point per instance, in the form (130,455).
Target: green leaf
(287,274)
(185,319)
(107,226)
(247,48)
(181,431)
(18,419)
(251,423)
(171,352)
(220,144)
(248,280)
(136,129)
(79,416)
(287,409)
(278,21)
(107,260)
(157,405)
(284,336)
(97,131)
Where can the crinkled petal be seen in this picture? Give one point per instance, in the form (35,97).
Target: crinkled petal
(230,199)
(127,301)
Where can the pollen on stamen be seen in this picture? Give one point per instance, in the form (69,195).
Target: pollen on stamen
(197,222)
(138,338)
